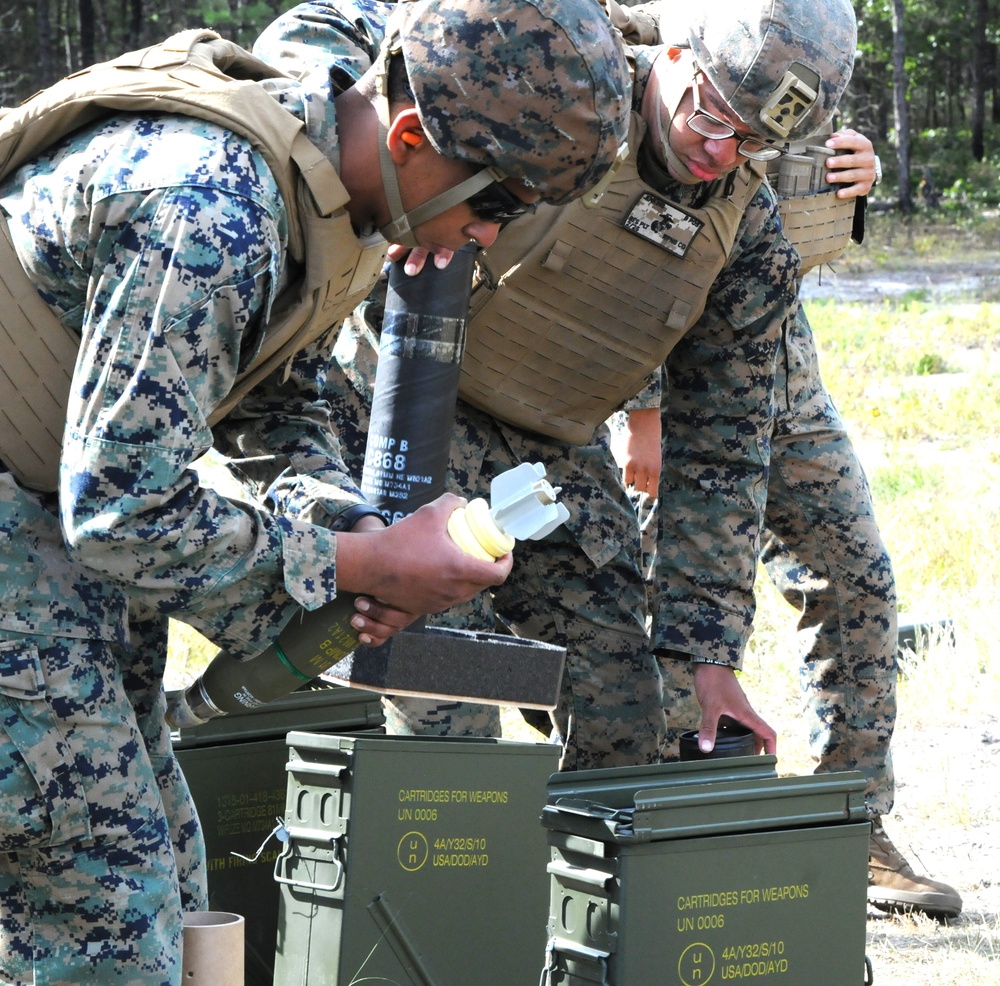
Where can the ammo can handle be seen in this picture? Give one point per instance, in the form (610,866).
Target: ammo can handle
(323,769)
(305,884)
(594,956)
(580,874)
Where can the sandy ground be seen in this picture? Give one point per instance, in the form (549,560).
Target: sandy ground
(946,820)
(934,281)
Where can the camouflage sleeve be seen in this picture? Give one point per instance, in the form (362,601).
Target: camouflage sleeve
(180,275)
(285,447)
(717,420)
(649,396)
(283,444)
(642,57)
(760,276)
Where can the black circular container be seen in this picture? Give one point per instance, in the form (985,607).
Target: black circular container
(731,740)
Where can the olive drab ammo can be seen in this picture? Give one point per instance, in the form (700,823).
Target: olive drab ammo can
(707,873)
(414,861)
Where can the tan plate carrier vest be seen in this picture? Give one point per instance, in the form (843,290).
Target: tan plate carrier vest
(194,73)
(588,309)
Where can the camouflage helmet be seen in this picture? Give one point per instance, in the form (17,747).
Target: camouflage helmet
(538,90)
(781,65)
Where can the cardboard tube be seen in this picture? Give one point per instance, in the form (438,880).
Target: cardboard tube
(213,949)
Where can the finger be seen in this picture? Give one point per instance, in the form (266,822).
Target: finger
(861,164)
(853,191)
(415,261)
(502,567)
(442,257)
(374,617)
(765,738)
(848,140)
(707,731)
(842,175)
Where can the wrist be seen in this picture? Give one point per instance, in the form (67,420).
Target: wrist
(346,520)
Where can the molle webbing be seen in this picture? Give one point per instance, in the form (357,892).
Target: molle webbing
(586,310)
(194,73)
(819,226)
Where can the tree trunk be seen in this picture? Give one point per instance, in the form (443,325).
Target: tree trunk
(994,82)
(901,112)
(136,22)
(86,11)
(980,56)
(46,56)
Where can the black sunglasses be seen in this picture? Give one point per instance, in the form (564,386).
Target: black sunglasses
(498,204)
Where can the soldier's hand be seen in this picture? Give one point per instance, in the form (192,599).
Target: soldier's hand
(719,693)
(636,448)
(376,621)
(417,257)
(413,567)
(853,166)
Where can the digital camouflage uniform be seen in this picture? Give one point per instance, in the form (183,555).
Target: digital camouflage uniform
(162,242)
(303,29)
(821,545)
(143,665)
(823,551)
(142,253)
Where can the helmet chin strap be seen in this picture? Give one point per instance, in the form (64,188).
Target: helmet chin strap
(400,228)
(669,94)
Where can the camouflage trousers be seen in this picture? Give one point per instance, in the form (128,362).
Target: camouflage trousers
(822,548)
(143,667)
(88,881)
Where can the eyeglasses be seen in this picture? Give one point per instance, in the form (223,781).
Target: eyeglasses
(706,125)
(498,204)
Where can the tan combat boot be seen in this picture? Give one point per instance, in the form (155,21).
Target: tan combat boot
(893,886)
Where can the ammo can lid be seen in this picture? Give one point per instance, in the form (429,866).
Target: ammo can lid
(698,798)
